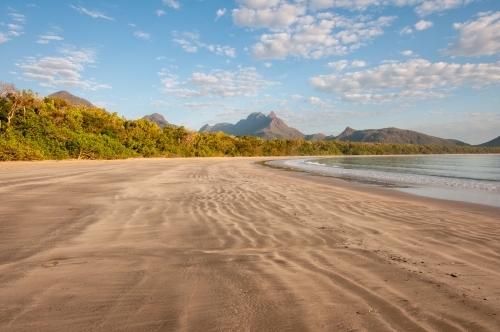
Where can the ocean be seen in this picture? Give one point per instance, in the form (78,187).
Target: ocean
(467,178)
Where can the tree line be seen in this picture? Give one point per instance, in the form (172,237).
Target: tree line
(34,128)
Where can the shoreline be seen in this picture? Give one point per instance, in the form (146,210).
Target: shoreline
(462,195)
(215,244)
(388,192)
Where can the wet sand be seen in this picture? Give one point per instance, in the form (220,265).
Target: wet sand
(224,244)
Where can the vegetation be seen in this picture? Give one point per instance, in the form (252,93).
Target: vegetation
(34,128)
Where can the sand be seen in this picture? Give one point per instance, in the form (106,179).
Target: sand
(224,244)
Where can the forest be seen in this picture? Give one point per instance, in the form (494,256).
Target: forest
(35,128)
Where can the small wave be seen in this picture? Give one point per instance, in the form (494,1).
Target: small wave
(388,177)
(314,163)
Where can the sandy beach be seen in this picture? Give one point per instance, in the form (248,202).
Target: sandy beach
(225,244)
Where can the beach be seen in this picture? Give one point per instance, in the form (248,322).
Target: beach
(226,244)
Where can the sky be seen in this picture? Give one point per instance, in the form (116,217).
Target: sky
(321,65)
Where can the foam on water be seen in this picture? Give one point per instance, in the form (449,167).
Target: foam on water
(427,176)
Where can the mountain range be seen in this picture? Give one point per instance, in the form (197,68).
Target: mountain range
(270,126)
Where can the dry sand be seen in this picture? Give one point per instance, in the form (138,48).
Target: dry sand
(223,244)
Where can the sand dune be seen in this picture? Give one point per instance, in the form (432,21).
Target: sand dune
(224,244)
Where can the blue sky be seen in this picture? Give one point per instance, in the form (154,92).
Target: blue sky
(321,65)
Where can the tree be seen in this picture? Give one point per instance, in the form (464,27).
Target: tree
(10,96)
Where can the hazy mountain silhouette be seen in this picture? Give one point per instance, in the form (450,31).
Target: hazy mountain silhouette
(494,142)
(393,135)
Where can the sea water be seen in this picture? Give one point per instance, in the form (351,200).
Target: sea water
(468,178)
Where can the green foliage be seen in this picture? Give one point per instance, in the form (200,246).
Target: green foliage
(32,128)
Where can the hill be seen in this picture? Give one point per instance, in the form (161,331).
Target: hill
(159,120)
(493,143)
(394,135)
(268,127)
(257,124)
(74,100)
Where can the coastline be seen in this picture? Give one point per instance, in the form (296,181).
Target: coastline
(225,244)
(451,193)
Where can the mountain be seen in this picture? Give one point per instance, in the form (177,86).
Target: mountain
(74,100)
(159,120)
(394,135)
(346,133)
(494,142)
(257,124)
(268,127)
(315,137)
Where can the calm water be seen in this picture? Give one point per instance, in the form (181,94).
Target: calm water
(469,178)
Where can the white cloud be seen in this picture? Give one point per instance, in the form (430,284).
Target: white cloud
(422,7)
(3,38)
(297,97)
(170,81)
(268,65)
(142,35)
(131,25)
(319,36)
(163,72)
(338,65)
(369,98)
(93,14)
(432,6)
(48,38)
(405,31)
(342,64)
(203,105)
(160,12)
(315,101)
(15,33)
(190,43)
(171,3)
(407,53)
(480,37)
(256,4)
(220,13)
(422,25)
(274,18)
(16,27)
(358,64)
(219,83)
(15,30)
(18,17)
(62,70)
(416,79)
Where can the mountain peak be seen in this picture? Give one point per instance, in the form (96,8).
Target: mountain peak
(73,100)
(158,119)
(257,124)
(347,132)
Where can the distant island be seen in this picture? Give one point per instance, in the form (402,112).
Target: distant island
(63,126)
